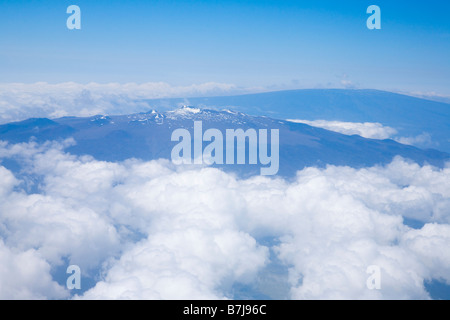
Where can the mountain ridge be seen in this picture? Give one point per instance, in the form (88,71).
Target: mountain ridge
(147,136)
(410,116)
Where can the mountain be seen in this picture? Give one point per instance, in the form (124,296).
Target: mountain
(410,116)
(147,136)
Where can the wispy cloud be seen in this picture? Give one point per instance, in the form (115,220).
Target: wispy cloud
(423,139)
(370,130)
(430,95)
(367,129)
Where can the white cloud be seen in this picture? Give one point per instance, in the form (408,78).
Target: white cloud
(427,243)
(335,222)
(370,130)
(423,139)
(158,231)
(20,101)
(367,129)
(182,263)
(25,275)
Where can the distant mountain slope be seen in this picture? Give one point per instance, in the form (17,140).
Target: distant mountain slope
(410,116)
(148,136)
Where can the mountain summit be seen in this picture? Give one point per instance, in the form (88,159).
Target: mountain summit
(147,136)
(410,116)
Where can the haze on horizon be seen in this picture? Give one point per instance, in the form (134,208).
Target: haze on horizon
(264,45)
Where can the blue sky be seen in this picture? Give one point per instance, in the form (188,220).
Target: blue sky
(271,44)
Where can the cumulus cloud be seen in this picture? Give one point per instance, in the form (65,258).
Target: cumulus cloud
(157,231)
(19,101)
(369,130)
(26,275)
(183,263)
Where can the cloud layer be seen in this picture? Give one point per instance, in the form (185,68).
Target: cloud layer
(20,101)
(157,231)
